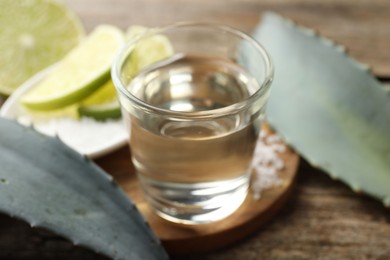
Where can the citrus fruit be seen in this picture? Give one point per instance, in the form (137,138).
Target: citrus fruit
(65,112)
(34,34)
(134,31)
(151,50)
(147,50)
(106,93)
(101,105)
(101,112)
(80,73)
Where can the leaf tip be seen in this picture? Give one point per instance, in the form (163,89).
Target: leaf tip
(308,31)
(327,41)
(289,22)
(75,243)
(33,224)
(363,66)
(112,181)
(386,202)
(85,157)
(334,176)
(340,48)
(356,188)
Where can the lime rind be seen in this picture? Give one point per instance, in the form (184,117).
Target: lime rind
(84,70)
(101,112)
(69,98)
(105,94)
(65,112)
(101,105)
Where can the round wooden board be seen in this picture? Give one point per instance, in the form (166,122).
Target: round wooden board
(179,239)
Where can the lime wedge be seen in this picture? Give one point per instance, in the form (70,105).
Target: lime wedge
(101,112)
(101,105)
(147,51)
(34,34)
(80,73)
(134,31)
(105,94)
(151,50)
(65,112)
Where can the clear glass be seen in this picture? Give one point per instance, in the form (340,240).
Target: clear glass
(193,117)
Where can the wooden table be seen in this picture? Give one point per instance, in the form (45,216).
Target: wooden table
(323,219)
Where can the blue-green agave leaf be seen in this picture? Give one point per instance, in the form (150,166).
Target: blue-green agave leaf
(47,184)
(328,106)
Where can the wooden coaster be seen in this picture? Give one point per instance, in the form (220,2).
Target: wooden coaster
(181,239)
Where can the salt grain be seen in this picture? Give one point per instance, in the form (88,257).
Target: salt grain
(273,139)
(87,136)
(266,163)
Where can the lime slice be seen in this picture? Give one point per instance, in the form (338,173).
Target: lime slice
(101,105)
(105,94)
(66,112)
(80,73)
(134,31)
(147,51)
(102,112)
(151,50)
(34,34)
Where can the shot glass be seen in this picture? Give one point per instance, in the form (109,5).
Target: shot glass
(193,116)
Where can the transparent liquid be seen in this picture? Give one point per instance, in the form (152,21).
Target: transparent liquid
(193,171)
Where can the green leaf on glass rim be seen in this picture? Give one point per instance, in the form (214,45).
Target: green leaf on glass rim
(328,107)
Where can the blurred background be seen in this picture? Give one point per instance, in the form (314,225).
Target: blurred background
(363,26)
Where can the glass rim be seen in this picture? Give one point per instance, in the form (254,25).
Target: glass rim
(123,53)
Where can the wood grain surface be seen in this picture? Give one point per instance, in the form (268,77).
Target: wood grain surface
(323,218)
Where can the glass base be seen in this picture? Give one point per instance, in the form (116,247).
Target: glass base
(199,203)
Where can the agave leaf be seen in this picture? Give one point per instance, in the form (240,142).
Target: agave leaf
(328,106)
(49,185)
